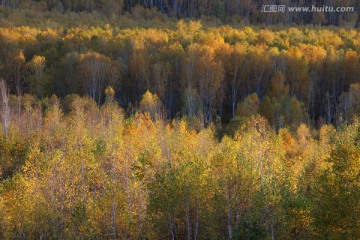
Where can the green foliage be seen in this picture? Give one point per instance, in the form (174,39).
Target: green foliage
(338,191)
(249,107)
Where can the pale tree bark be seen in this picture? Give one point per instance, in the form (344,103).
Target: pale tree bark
(234,92)
(171,225)
(230,229)
(5,108)
(197,221)
(95,71)
(188,222)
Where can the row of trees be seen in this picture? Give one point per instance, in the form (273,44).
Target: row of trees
(309,75)
(228,10)
(72,169)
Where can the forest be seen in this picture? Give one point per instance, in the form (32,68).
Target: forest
(249,11)
(178,120)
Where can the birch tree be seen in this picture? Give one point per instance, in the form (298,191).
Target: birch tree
(5,107)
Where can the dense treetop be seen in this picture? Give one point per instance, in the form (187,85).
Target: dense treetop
(249,11)
(80,170)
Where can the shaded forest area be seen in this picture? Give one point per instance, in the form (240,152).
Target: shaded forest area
(288,75)
(248,11)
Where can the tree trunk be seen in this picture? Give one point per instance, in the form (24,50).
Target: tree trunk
(188,223)
(234,91)
(197,221)
(5,108)
(230,230)
(172,231)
